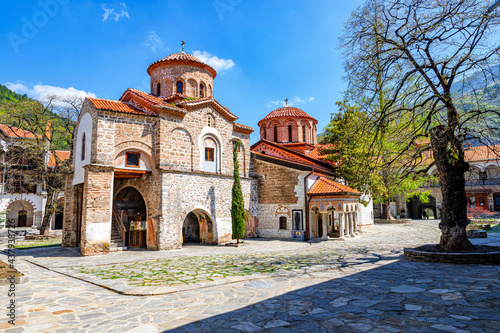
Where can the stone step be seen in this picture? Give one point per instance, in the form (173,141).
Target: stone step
(117,248)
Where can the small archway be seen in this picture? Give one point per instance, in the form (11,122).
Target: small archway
(129,209)
(198,227)
(21,213)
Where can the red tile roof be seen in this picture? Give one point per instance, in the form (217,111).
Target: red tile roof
(182,58)
(482,153)
(14,132)
(288,111)
(246,128)
(62,155)
(326,186)
(109,105)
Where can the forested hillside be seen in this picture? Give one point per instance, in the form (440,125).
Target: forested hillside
(21,111)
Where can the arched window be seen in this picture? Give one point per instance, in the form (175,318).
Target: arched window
(158,89)
(202,90)
(290,139)
(179,87)
(264,132)
(83,147)
(275,133)
(210,120)
(303,133)
(211,151)
(282,222)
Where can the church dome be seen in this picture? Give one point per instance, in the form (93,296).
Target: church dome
(182,58)
(288,112)
(288,125)
(181,74)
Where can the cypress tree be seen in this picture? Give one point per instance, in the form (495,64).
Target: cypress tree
(237,203)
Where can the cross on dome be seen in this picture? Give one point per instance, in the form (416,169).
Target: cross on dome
(182,44)
(286,101)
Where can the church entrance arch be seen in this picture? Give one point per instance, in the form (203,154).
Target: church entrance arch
(419,210)
(129,211)
(21,212)
(198,227)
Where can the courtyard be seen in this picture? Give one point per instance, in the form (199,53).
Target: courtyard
(358,285)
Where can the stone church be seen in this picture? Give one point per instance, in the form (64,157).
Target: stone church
(155,170)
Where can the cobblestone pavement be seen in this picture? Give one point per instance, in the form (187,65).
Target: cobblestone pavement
(360,285)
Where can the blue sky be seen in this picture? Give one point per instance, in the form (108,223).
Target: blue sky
(264,51)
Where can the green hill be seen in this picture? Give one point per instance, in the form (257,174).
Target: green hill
(60,135)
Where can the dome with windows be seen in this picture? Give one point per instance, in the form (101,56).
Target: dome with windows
(288,125)
(181,74)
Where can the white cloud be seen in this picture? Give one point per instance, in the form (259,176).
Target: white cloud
(42,92)
(153,41)
(220,65)
(17,87)
(114,13)
(297,100)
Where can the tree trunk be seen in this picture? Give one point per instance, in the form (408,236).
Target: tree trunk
(49,211)
(386,210)
(450,161)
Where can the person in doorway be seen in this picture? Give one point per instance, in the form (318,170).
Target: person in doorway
(424,215)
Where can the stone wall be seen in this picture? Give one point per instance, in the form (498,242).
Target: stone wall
(184,192)
(97,203)
(280,191)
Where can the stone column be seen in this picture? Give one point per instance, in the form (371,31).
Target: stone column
(325,226)
(341,225)
(351,224)
(347,225)
(97,209)
(356,231)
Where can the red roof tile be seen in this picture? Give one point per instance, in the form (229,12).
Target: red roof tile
(248,128)
(14,132)
(62,155)
(109,105)
(482,153)
(288,111)
(182,57)
(326,186)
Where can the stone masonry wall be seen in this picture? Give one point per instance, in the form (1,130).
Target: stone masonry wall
(280,190)
(183,192)
(96,221)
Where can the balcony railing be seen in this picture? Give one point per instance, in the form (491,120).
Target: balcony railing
(474,182)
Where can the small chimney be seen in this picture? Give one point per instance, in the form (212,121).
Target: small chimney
(468,145)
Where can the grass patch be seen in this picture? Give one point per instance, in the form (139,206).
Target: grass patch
(38,243)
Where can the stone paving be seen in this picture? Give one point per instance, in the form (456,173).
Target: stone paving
(359,285)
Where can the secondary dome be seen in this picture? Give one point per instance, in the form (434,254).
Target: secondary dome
(182,58)
(288,112)
(289,125)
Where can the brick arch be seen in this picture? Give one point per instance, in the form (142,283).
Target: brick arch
(295,134)
(193,88)
(241,154)
(209,236)
(136,145)
(180,148)
(270,130)
(184,85)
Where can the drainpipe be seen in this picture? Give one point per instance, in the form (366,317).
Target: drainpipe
(306,199)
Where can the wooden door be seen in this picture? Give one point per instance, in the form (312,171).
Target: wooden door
(320,227)
(22,218)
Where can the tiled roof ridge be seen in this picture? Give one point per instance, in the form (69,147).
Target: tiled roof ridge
(182,57)
(287,112)
(326,186)
(16,132)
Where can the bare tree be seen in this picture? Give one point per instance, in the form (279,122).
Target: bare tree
(436,58)
(43,157)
